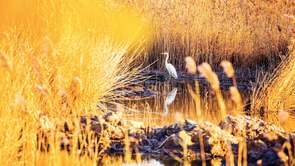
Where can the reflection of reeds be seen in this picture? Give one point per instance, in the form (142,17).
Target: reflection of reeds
(192,68)
(206,71)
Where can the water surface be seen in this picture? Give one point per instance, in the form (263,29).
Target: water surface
(173,97)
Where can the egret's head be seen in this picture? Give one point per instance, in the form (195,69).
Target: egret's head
(166,53)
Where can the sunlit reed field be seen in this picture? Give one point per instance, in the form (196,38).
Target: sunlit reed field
(247,33)
(59,59)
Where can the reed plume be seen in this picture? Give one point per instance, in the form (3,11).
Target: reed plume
(206,71)
(229,70)
(283,115)
(4,61)
(48,47)
(42,90)
(190,65)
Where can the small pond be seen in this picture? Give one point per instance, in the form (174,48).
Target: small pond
(160,102)
(157,102)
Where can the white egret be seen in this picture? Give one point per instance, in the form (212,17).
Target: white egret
(169,99)
(169,67)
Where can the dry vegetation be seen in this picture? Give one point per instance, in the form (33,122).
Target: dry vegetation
(275,92)
(46,81)
(245,32)
(90,51)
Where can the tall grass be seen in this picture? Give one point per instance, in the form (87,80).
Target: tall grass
(46,81)
(247,33)
(275,92)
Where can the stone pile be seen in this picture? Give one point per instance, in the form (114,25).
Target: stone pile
(264,142)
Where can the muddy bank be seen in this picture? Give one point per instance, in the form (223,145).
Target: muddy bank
(110,133)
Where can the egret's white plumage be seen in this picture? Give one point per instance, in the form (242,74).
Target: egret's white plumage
(169,99)
(169,67)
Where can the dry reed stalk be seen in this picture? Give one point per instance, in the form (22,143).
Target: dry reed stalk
(192,68)
(236,96)
(245,153)
(240,153)
(229,155)
(206,71)
(202,148)
(196,99)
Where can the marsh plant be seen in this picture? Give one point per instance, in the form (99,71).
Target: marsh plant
(58,60)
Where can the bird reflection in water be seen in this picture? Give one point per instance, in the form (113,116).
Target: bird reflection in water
(169,99)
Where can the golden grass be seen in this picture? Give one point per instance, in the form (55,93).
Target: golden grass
(247,33)
(275,92)
(58,60)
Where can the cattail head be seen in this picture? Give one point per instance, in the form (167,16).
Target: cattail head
(283,115)
(206,71)
(4,60)
(227,68)
(48,47)
(190,65)
(235,95)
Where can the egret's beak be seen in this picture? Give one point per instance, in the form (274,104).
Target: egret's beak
(162,53)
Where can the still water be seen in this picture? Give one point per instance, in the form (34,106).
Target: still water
(160,102)
(173,97)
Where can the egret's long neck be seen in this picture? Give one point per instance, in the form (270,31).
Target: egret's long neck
(166,59)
